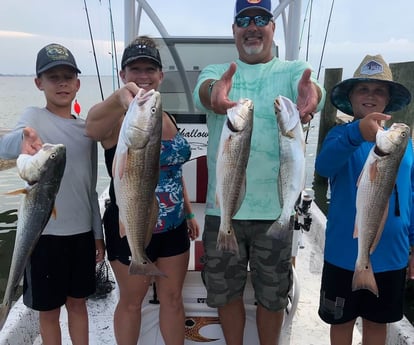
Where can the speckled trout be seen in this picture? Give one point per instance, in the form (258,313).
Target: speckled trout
(292,163)
(375,186)
(232,158)
(42,173)
(135,171)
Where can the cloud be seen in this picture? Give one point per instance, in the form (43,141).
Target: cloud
(15,34)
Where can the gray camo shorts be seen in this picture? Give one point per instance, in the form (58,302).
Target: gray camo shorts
(224,274)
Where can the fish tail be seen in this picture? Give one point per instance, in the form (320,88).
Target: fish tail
(227,241)
(4,312)
(148,268)
(364,279)
(278,230)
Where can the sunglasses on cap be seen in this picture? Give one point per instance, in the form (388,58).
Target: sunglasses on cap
(259,21)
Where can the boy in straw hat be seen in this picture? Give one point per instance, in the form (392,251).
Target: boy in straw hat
(368,96)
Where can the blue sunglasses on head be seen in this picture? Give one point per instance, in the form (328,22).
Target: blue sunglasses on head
(259,21)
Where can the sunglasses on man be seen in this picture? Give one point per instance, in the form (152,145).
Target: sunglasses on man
(259,21)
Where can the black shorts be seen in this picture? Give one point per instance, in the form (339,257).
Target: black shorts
(165,244)
(60,266)
(338,304)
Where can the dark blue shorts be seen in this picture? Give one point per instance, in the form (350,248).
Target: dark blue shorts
(60,266)
(165,244)
(339,304)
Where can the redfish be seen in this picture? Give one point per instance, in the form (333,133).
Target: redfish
(292,163)
(375,186)
(135,171)
(232,158)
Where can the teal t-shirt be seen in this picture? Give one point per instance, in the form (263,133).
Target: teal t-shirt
(261,83)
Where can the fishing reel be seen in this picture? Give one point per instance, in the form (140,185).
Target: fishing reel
(303,216)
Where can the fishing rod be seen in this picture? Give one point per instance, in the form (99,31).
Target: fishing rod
(326,35)
(310,3)
(113,48)
(93,49)
(309,27)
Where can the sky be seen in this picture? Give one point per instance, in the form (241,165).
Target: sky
(355,28)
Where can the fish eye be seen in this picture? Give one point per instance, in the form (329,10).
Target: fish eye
(52,156)
(153,110)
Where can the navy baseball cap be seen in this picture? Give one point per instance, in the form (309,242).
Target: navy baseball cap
(242,5)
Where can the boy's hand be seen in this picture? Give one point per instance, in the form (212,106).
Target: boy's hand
(31,141)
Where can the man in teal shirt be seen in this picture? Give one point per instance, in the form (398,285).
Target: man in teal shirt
(261,77)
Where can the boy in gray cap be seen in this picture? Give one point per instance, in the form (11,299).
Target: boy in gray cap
(61,269)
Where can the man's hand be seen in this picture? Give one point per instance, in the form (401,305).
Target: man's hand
(31,141)
(219,99)
(308,97)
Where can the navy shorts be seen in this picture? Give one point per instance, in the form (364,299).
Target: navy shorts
(60,266)
(164,244)
(339,304)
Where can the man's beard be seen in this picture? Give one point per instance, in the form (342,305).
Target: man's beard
(253,50)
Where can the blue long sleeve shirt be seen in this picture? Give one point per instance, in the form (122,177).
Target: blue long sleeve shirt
(341,159)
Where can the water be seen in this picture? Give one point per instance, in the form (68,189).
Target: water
(16,93)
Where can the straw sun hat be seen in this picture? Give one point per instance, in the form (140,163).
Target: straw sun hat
(372,68)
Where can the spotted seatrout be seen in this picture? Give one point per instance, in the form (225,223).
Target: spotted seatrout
(42,173)
(375,186)
(135,171)
(292,163)
(232,159)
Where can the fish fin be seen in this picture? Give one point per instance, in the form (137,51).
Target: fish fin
(17,191)
(119,163)
(227,241)
(147,268)
(54,213)
(278,230)
(373,169)
(122,232)
(153,217)
(380,229)
(356,232)
(364,279)
(123,157)
(359,178)
(4,312)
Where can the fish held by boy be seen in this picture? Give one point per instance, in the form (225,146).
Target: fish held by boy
(43,173)
(292,163)
(375,186)
(232,158)
(136,172)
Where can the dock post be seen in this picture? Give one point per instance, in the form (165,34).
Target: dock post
(326,122)
(403,73)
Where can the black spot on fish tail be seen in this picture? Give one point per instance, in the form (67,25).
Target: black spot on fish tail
(227,242)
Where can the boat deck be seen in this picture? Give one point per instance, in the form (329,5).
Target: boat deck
(305,329)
